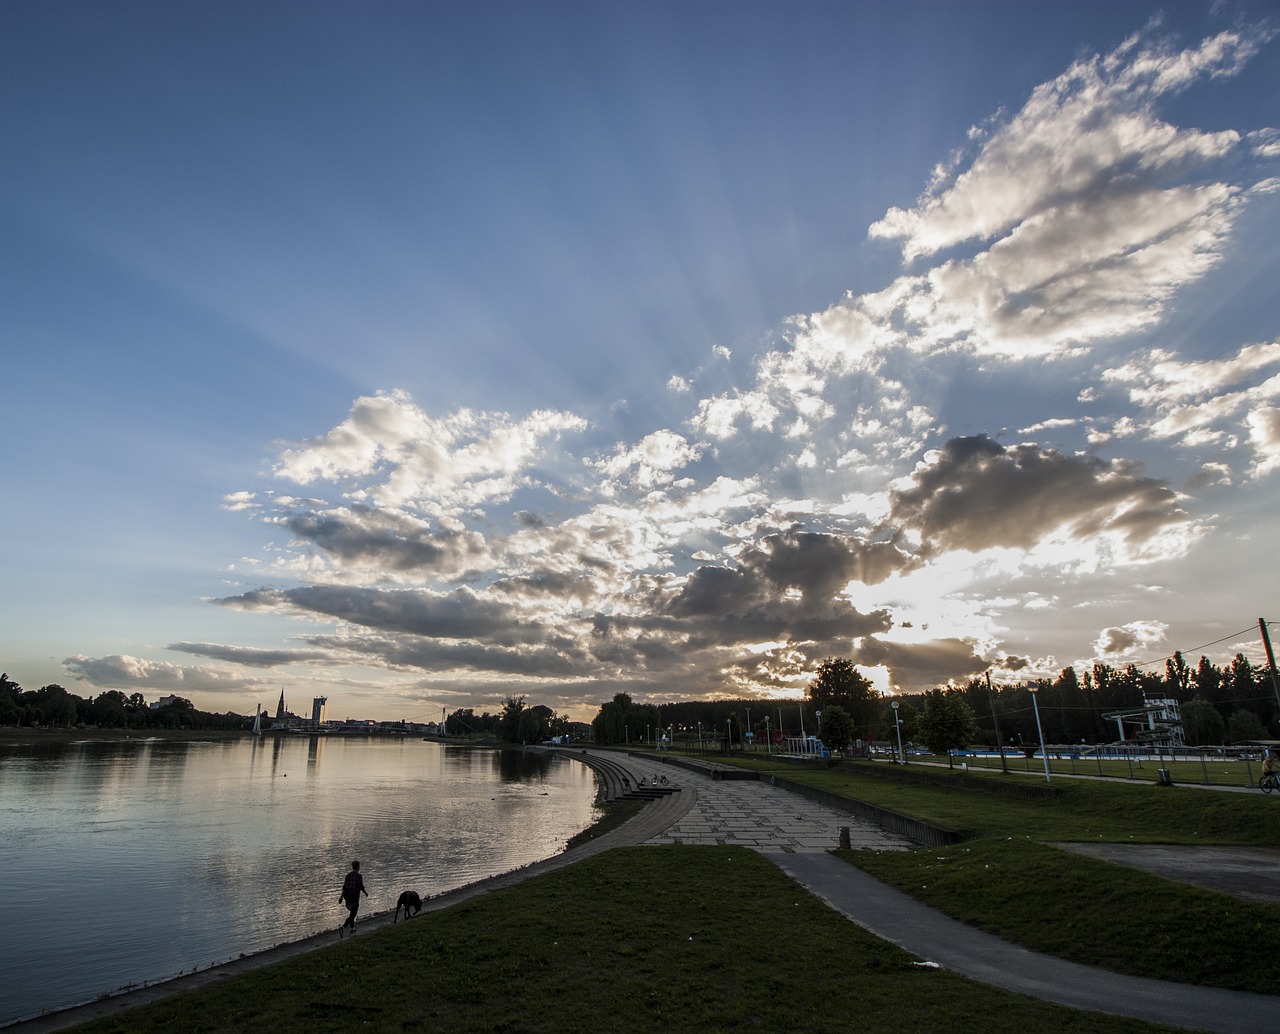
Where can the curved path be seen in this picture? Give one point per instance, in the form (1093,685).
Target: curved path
(797,836)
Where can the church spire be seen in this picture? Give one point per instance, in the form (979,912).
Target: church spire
(280,706)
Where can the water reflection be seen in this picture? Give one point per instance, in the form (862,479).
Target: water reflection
(190,853)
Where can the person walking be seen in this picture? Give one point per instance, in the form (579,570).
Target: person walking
(352,888)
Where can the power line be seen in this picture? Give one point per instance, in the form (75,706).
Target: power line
(1194,649)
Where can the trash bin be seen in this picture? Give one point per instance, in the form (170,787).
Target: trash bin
(1163,778)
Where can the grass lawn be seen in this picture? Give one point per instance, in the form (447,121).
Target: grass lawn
(636,939)
(1007,878)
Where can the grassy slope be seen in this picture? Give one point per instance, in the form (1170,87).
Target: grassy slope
(1006,878)
(638,939)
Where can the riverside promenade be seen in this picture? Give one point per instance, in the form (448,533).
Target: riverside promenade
(797,835)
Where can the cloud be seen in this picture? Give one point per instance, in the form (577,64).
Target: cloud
(915,665)
(461,614)
(249,656)
(652,461)
(120,671)
(1091,126)
(437,465)
(1264,433)
(975,494)
(1202,401)
(1144,636)
(385,539)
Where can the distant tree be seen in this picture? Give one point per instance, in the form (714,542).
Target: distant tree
(835,727)
(10,695)
(623,721)
(1201,723)
(509,720)
(1244,725)
(945,722)
(535,723)
(110,710)
(56,705)
(838,681)
(1177,676)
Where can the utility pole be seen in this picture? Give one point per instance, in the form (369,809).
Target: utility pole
(991,696)
(1271,657)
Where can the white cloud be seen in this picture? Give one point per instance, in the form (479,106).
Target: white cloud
(1119,642)
(652,461)
(1085,127)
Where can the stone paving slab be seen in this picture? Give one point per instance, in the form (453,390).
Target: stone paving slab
(753,814)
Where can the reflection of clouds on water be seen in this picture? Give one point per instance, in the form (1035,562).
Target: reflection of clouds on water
(192,853)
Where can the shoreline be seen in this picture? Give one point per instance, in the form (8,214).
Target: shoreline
(20,735)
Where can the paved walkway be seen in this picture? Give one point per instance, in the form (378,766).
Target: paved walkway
(797,836)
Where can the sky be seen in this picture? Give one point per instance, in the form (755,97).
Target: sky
(417,355)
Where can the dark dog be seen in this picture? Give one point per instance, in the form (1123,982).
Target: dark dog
(408,900)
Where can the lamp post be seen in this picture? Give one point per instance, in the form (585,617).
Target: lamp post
(898,726)
(1039,729)
(728,736)
(699,737)
(768,736)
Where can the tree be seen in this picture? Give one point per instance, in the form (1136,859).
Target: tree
(835,728)
(535,723)
(509,720)
(838,681)
(57,706)
(1201,723)
(945,723)
(1244,725)
(621,721)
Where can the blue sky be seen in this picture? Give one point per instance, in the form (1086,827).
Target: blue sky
(415,355)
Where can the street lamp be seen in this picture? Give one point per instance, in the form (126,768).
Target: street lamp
(898,726)
(768,736)
(747,737)
(1043,753)
(728,736)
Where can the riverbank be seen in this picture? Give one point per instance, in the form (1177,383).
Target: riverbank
(27,734)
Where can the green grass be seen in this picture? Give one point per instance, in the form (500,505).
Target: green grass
(1207,771)
(636,939)
(1007,878)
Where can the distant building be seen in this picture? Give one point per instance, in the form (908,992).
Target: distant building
(319,709)
(169,701)
(280,711)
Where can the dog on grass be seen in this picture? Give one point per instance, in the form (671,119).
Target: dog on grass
(410,899)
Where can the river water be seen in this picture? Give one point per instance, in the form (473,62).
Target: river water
(133,860)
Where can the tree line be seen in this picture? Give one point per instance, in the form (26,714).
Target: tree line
(516,722)
(53,706)
(1234,703)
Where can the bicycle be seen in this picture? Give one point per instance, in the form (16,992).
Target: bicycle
(1269,781)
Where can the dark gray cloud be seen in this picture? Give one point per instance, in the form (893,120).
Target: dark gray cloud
(461,614)
(918,666)
(383,538)
(976,494)
(820,564)
(247,655)
(560,658)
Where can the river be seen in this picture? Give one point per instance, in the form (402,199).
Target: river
(132,860)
